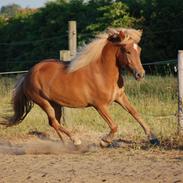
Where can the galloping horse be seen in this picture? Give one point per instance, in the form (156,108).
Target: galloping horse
(92,79)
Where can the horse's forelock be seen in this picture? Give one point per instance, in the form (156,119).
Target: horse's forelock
(131,35)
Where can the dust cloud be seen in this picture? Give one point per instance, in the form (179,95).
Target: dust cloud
(44,146)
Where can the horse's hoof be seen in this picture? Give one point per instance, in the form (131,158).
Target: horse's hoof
(114,144)
(155,142)
(104,144)
(76,142)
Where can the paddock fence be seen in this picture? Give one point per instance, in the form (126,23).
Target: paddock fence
(168,67)
(160,68)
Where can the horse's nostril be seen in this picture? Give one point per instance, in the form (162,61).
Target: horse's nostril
(138,75)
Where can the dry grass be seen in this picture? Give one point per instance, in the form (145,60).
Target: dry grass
(155,98)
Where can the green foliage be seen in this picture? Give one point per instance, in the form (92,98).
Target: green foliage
(2,22)
(10,10)
(30,36)
(162,22)
(114,15)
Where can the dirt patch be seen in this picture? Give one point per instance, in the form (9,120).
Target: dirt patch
(44,145)
(48,160)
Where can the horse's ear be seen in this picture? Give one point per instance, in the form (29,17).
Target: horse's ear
(113,35)
(115,38)
(141,31)
(118,37)
(122,35)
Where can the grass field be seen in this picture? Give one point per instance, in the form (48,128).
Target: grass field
(155,98)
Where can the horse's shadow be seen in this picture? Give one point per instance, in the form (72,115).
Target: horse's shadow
(165,144)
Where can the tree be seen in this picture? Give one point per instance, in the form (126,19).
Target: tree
(10,10)
(115,15)
(31,36)
(162,22)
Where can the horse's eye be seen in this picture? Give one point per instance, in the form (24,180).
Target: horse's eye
(128,52)
(122,49)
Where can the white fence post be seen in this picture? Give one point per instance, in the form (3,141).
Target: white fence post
(180,92)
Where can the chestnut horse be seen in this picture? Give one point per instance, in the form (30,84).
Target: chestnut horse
(92,79)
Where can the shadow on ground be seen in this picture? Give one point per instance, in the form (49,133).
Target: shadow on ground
(43,144)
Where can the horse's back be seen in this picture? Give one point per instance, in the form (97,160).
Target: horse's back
(52,79)
(42,71)
(48,66)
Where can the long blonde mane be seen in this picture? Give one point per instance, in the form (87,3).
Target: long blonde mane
(93,50)
(90,53)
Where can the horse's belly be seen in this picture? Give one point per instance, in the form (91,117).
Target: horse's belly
(72,97)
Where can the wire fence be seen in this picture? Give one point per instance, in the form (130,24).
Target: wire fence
(165,67)
(17,43)
(13,72)
(168,67)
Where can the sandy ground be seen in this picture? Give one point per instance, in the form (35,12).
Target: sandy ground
(48,161)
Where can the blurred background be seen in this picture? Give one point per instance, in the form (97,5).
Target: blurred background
(34,30)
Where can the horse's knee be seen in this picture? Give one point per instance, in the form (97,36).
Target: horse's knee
(53,124)
(114,128)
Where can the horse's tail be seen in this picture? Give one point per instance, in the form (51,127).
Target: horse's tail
(21,104)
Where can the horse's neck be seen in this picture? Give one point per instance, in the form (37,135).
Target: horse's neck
(108,61)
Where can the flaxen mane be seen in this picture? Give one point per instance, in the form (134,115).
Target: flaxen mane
(89,53)
(133,34)
(94,49)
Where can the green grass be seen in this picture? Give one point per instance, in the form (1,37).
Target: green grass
(155,98)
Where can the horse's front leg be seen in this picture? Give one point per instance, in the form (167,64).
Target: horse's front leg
(103,111)
(122,99)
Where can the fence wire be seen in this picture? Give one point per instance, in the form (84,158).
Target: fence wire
(168,67)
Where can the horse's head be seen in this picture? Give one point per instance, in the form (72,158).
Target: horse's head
(129,51)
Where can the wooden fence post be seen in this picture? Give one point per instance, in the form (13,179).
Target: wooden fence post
(72,38)
(67,55)
(180,92)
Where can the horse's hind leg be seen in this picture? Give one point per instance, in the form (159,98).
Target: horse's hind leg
(48,108)
(53,117)
(124,102)
(58,111)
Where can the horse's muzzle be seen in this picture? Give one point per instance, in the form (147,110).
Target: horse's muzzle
(138,75)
